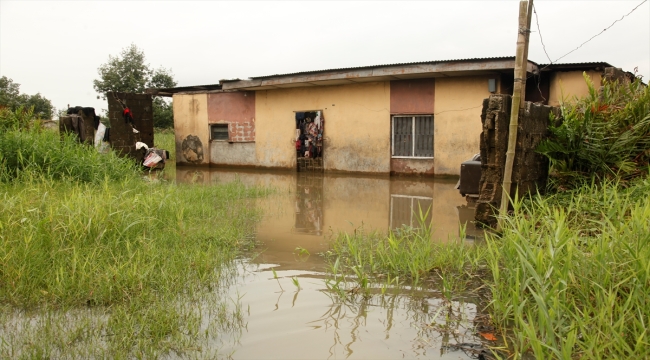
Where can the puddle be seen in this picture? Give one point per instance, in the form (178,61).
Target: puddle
(283,322)
(286,323)
(309,208)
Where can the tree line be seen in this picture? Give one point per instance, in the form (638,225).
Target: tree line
(126,72)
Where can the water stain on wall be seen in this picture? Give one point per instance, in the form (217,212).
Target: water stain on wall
(192,149)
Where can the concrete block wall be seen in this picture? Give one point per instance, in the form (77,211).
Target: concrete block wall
(530,169)
(122,138)
(83,127)
(616,74)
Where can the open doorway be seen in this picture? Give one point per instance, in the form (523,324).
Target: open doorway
(310,126)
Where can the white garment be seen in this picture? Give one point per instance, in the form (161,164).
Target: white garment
(317,120)
(139,145)
(99,135)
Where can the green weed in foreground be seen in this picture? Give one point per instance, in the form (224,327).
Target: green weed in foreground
(142,255)
(569,276)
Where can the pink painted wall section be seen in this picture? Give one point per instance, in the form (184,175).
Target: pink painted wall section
(237,109)
(412,96)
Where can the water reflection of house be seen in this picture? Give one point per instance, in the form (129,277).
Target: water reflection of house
(309,204)
(421,118)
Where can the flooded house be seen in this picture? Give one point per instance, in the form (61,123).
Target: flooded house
(419,118)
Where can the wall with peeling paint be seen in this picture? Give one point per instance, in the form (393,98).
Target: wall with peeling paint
(357,126)
(237,109)
(569,85)
(357,123)
(457,121)
(224,153)
(191,129)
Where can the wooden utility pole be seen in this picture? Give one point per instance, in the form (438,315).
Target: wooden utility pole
(518,98)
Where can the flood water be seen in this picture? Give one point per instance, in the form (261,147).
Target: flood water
(291,315)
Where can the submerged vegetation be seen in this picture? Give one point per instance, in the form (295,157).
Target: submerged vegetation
(97,262)
(568,277)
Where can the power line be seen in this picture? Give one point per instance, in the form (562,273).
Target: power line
(551,62)
(540,35)
(605,29)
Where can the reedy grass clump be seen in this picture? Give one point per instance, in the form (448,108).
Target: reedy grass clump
(568,277)
(72,244)
(570,274)
(406,255)
(139,251)
(96,263)
(29,153)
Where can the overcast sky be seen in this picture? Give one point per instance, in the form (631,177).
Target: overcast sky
(55,47)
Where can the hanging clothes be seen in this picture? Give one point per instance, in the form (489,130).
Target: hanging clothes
(317,120)
(127,115)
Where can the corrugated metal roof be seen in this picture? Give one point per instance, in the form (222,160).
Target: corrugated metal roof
(385,65)
(500,58)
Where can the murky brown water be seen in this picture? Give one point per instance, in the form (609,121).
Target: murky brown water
(284,323)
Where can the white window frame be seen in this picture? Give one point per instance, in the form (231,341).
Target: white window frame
(413,199)
(392,135)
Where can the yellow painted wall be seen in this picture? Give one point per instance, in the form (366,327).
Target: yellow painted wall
(457,121)
(569,85)
(191,118)
(357,125)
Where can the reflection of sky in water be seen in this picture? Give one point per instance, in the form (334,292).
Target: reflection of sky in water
(284,323)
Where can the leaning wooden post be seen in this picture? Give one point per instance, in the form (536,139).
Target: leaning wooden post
(529,13)
(518,93)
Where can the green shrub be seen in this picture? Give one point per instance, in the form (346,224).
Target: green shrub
(605,135)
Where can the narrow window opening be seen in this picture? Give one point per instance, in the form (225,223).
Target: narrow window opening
(219,132)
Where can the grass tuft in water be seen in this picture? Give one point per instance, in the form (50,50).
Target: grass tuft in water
(405,255)
(568,277)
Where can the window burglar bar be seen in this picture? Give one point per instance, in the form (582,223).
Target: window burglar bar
(412,136)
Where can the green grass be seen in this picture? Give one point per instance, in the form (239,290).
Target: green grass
(96,262)
(568,277)
(571,274)
(134,249)
(405,256)
(28,153)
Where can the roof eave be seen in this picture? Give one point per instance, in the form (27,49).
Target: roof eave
(379,73)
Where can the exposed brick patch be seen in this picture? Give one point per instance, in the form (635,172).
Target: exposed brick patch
(241,131)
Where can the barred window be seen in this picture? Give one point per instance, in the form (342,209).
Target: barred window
(412,136)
